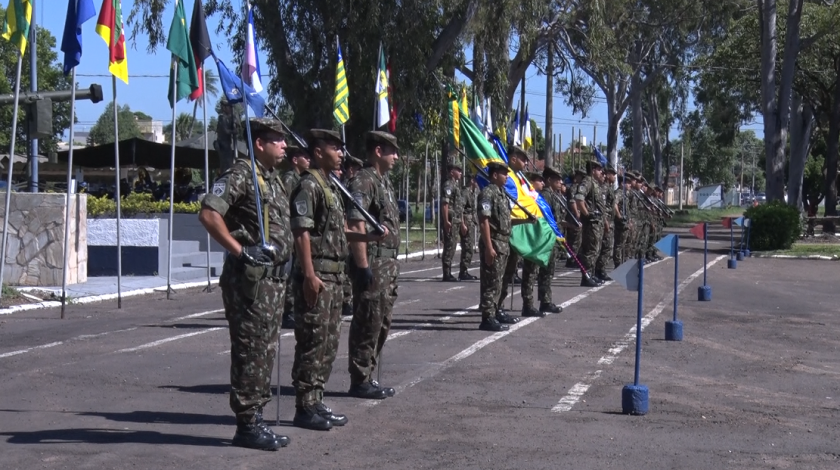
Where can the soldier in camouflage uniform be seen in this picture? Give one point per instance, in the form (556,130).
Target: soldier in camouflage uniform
(351,168)
(321,237)
(517,159)
(375,267)
(529,268)
(297,161)
(227,132)
(591,205)
(657,224)
(452,208)
(494,244)
(644,234)
(623,221)
(252,280)
(552,194)
(611,211)
(574,236)
(468,237)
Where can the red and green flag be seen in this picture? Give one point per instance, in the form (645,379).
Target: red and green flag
(183,76)
(109,27)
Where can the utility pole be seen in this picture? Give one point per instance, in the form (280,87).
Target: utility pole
(33,87)
(572,149)
(681,175)
(522,112)
(549,104)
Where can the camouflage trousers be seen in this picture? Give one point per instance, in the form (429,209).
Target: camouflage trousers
(592,235)
(655,235)
(347,285)
(510,272)
(573,238)
(252,309)
(288,301)
(620,243)
(467,248)
(317,331)
(450,242)
(372,318)
(531,274)
(491,277)
(606,252)
(643,239)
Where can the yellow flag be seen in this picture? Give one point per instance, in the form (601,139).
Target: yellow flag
(16,26)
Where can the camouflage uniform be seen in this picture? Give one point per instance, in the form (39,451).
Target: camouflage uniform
(573,235)
(493,204)
(290,178)
(317,207)
(543,275)
(468,240)
(372,315)
(606,251)
(452,197)
(593,227)
(622,226)
(251,295)
(227,131)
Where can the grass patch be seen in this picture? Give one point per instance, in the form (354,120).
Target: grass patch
(694,215)
(806,249)
(10,292)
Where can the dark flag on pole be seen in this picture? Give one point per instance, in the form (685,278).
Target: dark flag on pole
(78,11)
(200,43)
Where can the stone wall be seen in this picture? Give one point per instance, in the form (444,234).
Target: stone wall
(35,245)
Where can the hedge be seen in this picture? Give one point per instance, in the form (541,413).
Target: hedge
(134,204)
(775,226)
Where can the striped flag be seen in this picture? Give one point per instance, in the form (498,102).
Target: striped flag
(16,26)
(527,141)
(109,27)
(341,102)
(78,12)
(251,65)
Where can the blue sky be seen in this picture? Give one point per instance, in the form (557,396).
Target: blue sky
(149,73)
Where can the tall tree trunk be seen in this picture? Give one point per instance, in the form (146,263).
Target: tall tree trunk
(831,156)
(637,119)
(655,138)
(801,127)
(548,156)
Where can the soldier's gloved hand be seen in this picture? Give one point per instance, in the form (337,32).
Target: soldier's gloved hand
(365,276)
(255,256)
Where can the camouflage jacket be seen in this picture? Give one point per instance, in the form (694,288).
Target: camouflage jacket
(620,199)
(494,206)
(290,178)
(590,192)
(609,199)
(376,195)
(469,204)
(553,200)
(317,206)
(452,196)
(233,197)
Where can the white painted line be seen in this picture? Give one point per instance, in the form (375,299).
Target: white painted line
(23,351)
(578,390)
(57,343)
(407,302)
(196,315)
(418,254)
(451,289)
(167,340)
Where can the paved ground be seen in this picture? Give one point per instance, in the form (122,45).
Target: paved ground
(754,385)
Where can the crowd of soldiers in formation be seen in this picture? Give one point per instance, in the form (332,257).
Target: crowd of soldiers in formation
(324,245)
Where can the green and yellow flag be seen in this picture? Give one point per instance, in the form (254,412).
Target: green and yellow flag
(183,60)
(341,102)
(16,26)
(454,111)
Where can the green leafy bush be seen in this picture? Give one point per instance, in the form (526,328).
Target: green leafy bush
(775,226)
(135,204)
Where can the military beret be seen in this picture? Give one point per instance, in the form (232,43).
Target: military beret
(658,189)
(580,172)
(592,164)
(456,165)
(643,180)
(629,176)
(351,160)
(533,176)
(610,169)
(323,134)
(260,125)
(548,172)
(382,138)
(516,150)
(496,166)
(294,150)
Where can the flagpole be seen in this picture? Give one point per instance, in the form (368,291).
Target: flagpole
(11,164)
(425,190)
(69,182)
(172,181)
(206,161)
(117,190)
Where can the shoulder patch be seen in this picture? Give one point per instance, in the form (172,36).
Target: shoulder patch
(485,205)
(359,198)
(219,188)
(300,207)
(448,192)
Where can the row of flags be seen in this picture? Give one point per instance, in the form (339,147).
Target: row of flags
(385,111)
(519,134)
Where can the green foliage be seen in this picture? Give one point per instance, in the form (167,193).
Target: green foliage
(103,131)
(185,126)
(50,78)
(136,204)
(775,226)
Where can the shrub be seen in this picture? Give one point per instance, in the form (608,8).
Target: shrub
(775,226)
(134,204)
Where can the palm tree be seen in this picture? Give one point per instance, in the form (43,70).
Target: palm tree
(211,80)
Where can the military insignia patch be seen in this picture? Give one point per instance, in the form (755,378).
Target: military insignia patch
(219,188)
(448,192)
(300,207)
(485,205)
(359,198)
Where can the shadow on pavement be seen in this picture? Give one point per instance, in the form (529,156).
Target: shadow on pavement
(224,389)
(164,417)
(109,436)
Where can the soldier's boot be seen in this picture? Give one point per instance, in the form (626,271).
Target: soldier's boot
(465,276)
(252,436)
(503,317)
(334,418)
(308,417)
(550,307)
(260,422)
(347,310)
(570,263)
(448,277)
(517,280)
(288,320)
(389,392)
(602,275)
(368,391)
(589,281)
(491,324)
(529,311)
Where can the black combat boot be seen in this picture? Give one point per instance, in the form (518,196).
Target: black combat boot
(589,281)
(604,277)
(389,392)
(503,317)
(448,277)
(368,391)
(529,311)
(347,310)
(252,436)
(465,276)
(288,321)
(258,420)
(550,307)
(491,324)
(334,418)
(517,280)
(308,417)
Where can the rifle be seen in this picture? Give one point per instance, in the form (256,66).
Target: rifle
(347,196)
(562,202)
(645,200)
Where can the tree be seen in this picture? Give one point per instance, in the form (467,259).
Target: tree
(185,126)
(211,89)
(103,131)
(50,78)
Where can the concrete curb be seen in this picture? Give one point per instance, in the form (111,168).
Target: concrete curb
(149,290)
(811,257)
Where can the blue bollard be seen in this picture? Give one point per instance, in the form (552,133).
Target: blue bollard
(674,330)
(635,399)
(704,293)
(732,263)
(740,256)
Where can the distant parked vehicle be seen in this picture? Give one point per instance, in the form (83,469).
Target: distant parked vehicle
(761,198)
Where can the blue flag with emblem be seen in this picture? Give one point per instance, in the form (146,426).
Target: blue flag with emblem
(236,91)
